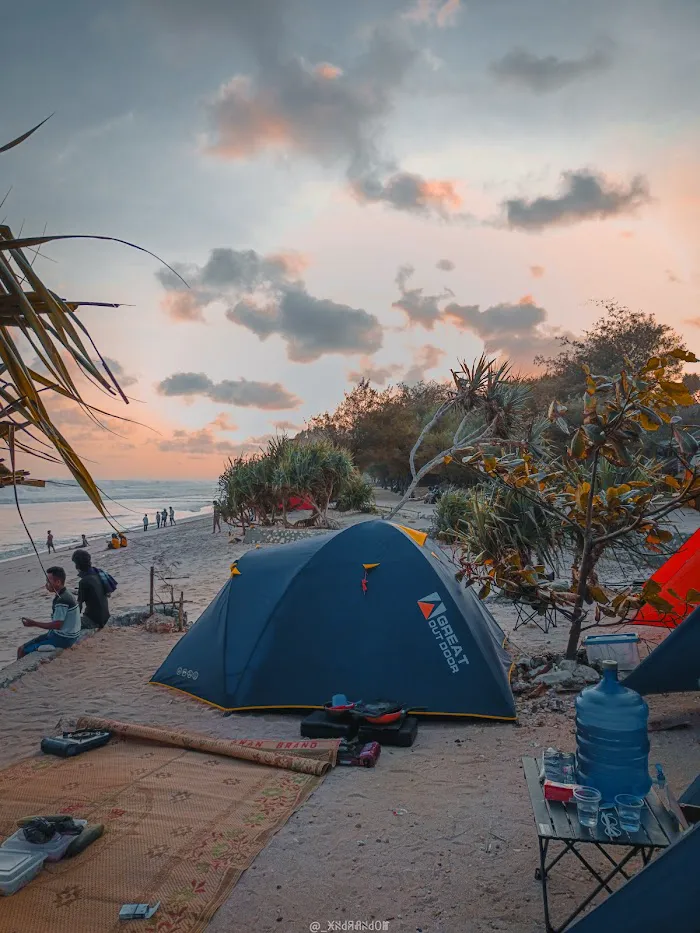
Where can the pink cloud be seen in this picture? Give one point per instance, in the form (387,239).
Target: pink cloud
(182,306)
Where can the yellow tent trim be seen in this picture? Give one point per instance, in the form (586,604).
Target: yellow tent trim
(420,537)
(235,572)
(244,709)
(370,566)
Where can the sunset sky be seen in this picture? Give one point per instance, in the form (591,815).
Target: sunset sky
(375,187)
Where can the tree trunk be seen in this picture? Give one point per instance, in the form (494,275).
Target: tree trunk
(586,566)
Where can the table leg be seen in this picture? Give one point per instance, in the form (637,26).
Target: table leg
(544,845)
(602,884)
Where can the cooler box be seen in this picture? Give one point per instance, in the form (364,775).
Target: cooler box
(17,869)
(51,851)
(621,648)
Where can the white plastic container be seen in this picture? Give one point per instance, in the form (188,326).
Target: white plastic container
(621,648)
(17,869)
(51,851)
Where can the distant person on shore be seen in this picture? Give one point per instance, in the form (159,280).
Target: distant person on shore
(92,592)
(64,627)
(164,517)
(172,515)
(217,517)
(84,542)
(145,522)
(50,546)
(157,519)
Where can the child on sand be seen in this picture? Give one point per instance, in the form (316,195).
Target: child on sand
(145,522)
(50,546)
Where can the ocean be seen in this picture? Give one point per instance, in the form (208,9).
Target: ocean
(64,508)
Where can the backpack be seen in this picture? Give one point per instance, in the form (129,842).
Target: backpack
(108,581)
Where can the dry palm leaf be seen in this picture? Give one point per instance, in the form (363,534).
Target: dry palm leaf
(50,326)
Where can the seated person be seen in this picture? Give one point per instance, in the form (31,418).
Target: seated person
(122,540)
(114,542)
(91,592)
(64,627)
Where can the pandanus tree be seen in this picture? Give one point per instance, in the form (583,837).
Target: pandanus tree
(312,469)
(35,317)
(489,405)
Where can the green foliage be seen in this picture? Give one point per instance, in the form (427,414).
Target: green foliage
(258,488)
(619,339)
(491,522)
(451,513)
(379,428)
(603,488)
(357,495)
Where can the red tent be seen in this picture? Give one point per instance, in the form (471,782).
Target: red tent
(680,573)
(297,504)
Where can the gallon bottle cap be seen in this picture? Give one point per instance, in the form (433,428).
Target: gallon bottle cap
(610,668)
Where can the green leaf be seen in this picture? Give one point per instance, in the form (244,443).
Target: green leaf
(578,446)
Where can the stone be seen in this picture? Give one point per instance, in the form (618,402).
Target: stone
(581,672)
(518,687)
(554,678)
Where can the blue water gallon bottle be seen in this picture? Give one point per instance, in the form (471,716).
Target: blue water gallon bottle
(612,744)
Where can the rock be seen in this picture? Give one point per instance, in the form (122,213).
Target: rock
(554,678)
(525,663)
(540,669)
(518,687)
(581,672)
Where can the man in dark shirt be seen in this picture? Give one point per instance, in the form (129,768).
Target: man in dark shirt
(91,592)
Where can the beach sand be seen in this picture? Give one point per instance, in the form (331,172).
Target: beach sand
(460,858)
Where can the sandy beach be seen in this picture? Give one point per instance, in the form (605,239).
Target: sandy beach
(438,838)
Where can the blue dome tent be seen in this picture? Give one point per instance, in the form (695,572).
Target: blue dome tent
(371,611)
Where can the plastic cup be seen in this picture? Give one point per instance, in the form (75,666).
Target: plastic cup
(587,804)
(629,812)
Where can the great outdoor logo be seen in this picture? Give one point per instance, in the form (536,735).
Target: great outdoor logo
(434,612)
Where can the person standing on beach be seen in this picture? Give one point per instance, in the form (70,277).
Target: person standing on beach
(145,522)
(84,542)
(217,517)
(64,627)
(50,546)
(92,593)
(164,517)
(157,519)
(172,515)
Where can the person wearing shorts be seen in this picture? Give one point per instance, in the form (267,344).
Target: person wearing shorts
(63,629)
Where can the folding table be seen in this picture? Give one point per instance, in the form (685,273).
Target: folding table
(558,823)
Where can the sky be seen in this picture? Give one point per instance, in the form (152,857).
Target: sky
(370,189)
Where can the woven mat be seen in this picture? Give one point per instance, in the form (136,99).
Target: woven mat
(180,828)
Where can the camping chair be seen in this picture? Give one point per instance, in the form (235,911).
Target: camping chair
(662,896)
(543,613)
